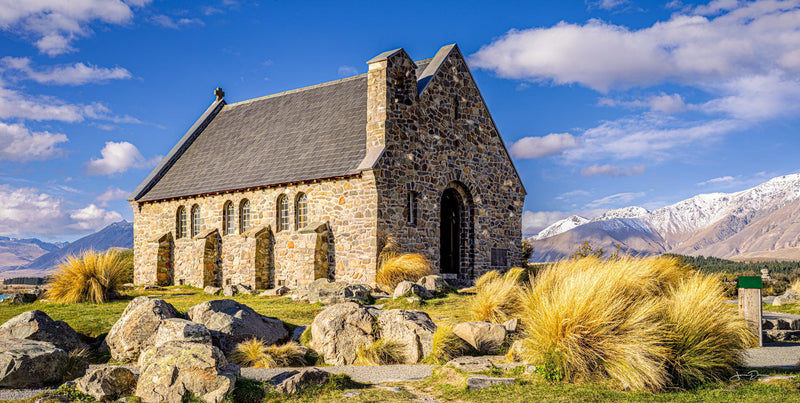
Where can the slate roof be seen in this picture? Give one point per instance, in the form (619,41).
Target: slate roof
(308,133)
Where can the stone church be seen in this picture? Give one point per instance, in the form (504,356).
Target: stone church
(315,182)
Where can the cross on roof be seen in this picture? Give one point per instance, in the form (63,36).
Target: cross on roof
(219,93)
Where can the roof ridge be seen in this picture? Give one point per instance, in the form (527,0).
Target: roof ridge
(296,90)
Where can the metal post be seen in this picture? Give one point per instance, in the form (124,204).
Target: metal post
(750,304)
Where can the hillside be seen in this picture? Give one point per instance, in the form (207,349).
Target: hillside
(20,252)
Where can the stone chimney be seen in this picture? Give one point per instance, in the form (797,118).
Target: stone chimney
(391,93)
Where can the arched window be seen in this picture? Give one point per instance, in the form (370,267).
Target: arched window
(180,222)
(195,220)
(301,211)
(244,216)
(283,213)
(228,226)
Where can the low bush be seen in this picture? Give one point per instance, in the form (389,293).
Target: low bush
(381,352)
(89,277)
(646,323)
(255,353)
(497,297)
(446,345)
(404,267)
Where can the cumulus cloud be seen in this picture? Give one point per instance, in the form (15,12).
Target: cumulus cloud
(608,4)
(75,74)
(112,194)
(18,143)
(169,22)
(615,200)
(537,147)
(610,170)
(15,104)
(52,25)
(29,212)
(117,158)
(535,221)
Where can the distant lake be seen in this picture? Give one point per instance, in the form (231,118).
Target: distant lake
(2,297)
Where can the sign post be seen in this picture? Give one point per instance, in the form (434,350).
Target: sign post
(750,304)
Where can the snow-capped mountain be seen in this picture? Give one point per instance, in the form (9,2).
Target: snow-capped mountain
(761,221)
(561,226)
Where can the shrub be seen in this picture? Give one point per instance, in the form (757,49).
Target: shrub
(254,353)
(405,267)
(446,345)
(90,277)
(645,323)
(381,352)
(498,297)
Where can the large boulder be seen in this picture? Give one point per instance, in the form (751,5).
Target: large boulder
(414,329)
(484,337)
(23,298)
(302,379)
(107,383)
(231,323)
(36,325)
(434,284)
(176,329)
(407,288)
(136,328)
(789,297)
(334,292)
(176,369)
(29,363)
(338,332)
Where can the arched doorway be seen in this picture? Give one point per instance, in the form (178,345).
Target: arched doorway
(450,232)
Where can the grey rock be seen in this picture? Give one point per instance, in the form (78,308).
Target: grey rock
(212,290)
(772,378)
(351,393)
(781,335)
(229,291)
(297,332)
(279,291)
(23,298)
(136,328)
(477,382)
(176,329)
(27,363)
(407,288)
(414,329)
(511,325)
(485,337)
(231,323)
(244,289)
(176,369)
(327,292)
(435,284)
(788,297)
(389,388)
(471,364)
(109,383)
(36,325)
(413,300)
(299,380)
(338,332)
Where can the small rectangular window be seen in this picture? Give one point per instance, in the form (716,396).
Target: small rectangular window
(499,257)
(412,209)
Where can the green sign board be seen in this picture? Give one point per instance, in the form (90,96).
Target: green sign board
(750,282)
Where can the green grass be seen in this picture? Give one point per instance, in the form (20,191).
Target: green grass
(787,308)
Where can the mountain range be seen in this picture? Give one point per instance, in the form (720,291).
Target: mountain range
(35,258)
(758,223)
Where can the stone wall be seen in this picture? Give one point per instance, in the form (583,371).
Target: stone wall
(347,206)
(430,147)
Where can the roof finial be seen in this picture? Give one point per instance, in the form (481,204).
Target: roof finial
(219,93)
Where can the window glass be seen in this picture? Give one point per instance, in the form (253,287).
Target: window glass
(180,223)
(244,215)
(195,220)
(283,213)
(227,218)
(301,209)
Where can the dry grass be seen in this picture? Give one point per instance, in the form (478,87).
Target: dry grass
(404,267)
(590,319)
(446,345)
(381,352)
(90,277)
(254,353)
(498,297)
(796,285)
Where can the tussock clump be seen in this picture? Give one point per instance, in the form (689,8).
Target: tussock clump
(446,345)
(89,277)
(640,322)
(796,285)
(404,267)
(498,297)
(381,352)
(254,353)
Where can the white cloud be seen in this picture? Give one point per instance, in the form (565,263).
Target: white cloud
(29,212)
(168,22)
(608,4)
(615,200)
(117,158)
(15,104)
(18,143)
(663,103)
(719,180)
(738,181)
(534,222)
(112,194)
(75,74)
(537,147)
(345,71)
(54,24)
(572,194)
(610,170)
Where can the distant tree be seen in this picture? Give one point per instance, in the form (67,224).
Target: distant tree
(527,251)
(586,250)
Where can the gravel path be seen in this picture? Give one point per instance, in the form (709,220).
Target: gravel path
(363,374)
(21,394)
(774,355)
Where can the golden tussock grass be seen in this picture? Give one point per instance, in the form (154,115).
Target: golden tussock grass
(497,297)
(796,285)
(446,345)
(404,267)
(640,322)
(255,353)
(381,352)
(89,277)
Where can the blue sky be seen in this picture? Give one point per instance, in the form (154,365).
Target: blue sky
(604,104)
